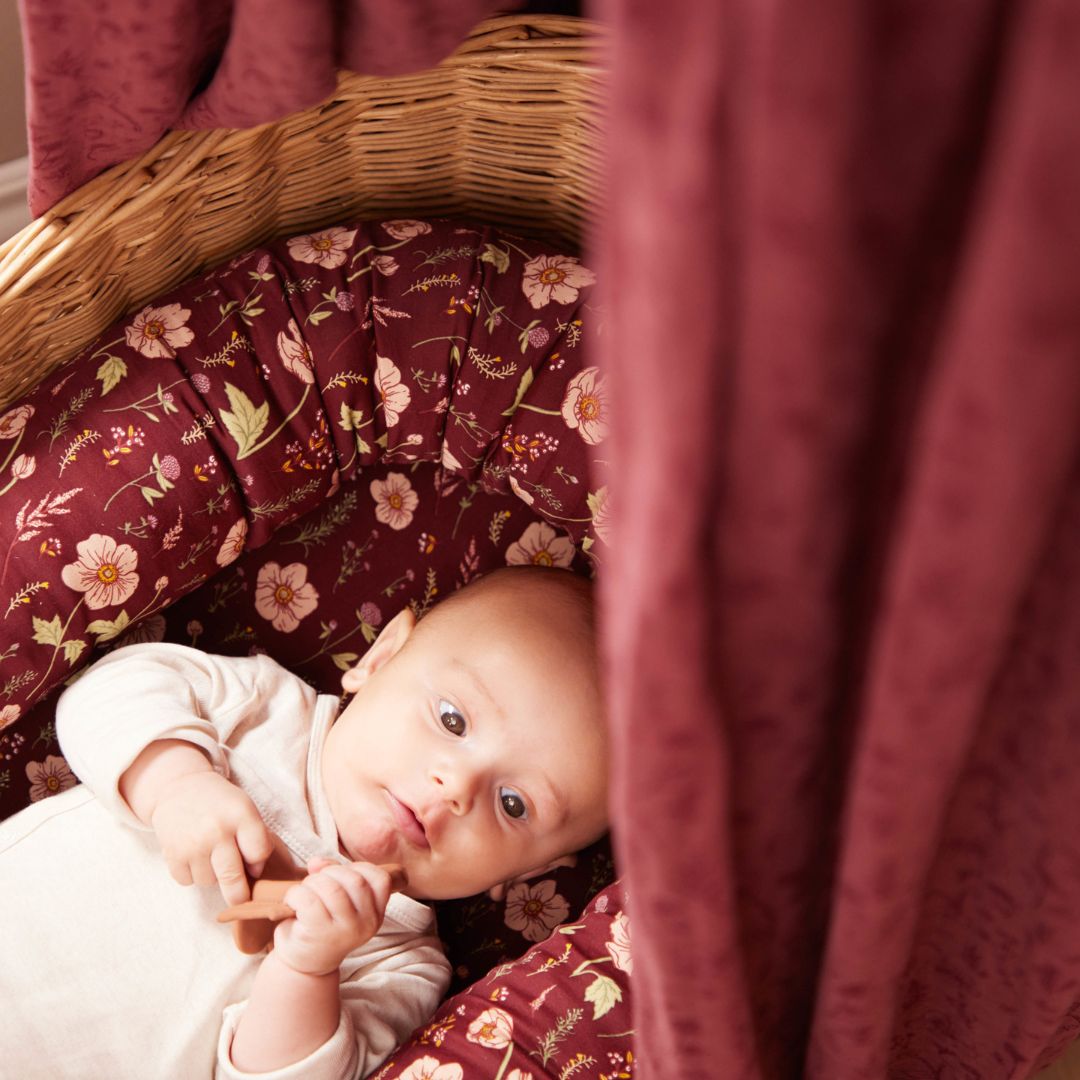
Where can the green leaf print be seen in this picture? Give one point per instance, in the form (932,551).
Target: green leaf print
(523,386)
(73,649)
(246,422)
(497,257)
(604,993)
(107,629)
(110,373)
(48,633)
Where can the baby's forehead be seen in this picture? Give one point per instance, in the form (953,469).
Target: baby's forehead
(512,603)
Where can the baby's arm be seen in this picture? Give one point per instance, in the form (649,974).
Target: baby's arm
(295,1005)
(145,728)
(301,1018)
(207,827)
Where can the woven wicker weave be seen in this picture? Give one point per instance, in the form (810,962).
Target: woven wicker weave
(506,130)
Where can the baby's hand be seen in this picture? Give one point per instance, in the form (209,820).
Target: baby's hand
(338,908)
(208,829)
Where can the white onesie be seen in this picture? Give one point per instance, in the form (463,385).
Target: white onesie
(108,968)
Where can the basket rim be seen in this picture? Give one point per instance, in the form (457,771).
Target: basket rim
(504,130)
(127,181)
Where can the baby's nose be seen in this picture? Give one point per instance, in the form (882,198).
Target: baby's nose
(456,787)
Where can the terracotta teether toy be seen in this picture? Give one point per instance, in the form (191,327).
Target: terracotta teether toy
(255,919)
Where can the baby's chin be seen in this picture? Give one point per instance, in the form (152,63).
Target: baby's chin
(428,889)
(384,847)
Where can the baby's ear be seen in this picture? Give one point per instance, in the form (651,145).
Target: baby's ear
(394,634)
(498,892)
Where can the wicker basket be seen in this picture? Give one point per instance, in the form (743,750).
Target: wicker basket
(506,130)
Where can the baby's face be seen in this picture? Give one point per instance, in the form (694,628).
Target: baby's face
(472,754)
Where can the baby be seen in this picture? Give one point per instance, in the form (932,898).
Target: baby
(472,753)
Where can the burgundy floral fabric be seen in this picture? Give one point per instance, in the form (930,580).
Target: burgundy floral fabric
(198,427)
(561,1010)
(278,456)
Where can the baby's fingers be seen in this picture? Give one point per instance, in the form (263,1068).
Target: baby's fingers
(378,880)
(256,845)
(179,870)
(227,866)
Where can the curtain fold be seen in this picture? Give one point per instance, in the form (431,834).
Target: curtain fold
(842,267)
(105,79)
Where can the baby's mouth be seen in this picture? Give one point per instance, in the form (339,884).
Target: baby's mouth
(407,822)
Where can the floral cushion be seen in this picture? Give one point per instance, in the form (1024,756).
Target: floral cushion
(561,1010)
(280,454)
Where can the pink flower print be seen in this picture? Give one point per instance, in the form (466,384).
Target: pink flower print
(395,500)
(585,406)
(429,1068)
(385,264)
(406,228)
(104,571)
(395,394)
(233,545)
(295,353)
(201,382)
(370,613)
(493,1028)
(23,466)
(448,459)
(14,420)
(525,496)
(327,247)
(49,777)
(170,467)
(284,595)
(538,337)
(345,301)
(554,277)
(540,545)
(601,514)
(619,946)
(535,910)
(160,331)
(9,714)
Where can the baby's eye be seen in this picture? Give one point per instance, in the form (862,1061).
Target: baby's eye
(451,719)
(512,803)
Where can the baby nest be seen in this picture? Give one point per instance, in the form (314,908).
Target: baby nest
(282,452)
(506,131)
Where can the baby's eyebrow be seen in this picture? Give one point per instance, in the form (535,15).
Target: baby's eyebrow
(473,676)
(554,806)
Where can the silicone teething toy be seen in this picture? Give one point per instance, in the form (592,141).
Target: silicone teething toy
(254,920)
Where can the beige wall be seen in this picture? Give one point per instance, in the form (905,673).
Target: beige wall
(12,114)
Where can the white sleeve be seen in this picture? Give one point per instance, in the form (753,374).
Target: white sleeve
(142,693)
(386,994)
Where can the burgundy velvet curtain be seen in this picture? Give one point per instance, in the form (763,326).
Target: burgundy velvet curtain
(106,78)
(843,632)
(842,613)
